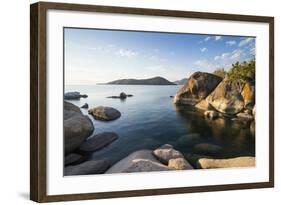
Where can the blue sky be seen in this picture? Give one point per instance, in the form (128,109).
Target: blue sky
(98,56)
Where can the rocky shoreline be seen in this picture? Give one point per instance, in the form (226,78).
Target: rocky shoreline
(216,97)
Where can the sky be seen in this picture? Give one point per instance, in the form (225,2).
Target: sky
(99,56)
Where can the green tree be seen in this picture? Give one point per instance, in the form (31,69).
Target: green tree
(244,71)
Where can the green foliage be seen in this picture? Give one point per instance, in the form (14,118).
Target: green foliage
(220,72)
(242,71)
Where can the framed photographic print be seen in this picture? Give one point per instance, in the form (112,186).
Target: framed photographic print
(134,102)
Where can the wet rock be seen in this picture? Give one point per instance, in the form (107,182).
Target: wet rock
(72,158)
(88,167)
(86,106)
(245,116)
(105,113)
(123,95)
(77,127)
(211,114)
(198,87)
(226,163)
(98,141)
(139,161)
(165,153)
(179,164)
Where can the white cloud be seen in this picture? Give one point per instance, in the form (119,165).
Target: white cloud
(230,43)
(222,56)
(203,49)
(207,38)
(236,54)
(245,41)
(217,38)
(126,53)
(253,51)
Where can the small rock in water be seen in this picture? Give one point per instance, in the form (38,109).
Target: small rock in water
(74,96)
(104,113)
(166,152)
(179,164)
(98,141)
(123,95)
(85,106)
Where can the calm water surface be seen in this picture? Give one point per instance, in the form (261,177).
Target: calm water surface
(150,119)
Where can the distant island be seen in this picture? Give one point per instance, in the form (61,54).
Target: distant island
(181,82)
(149,81)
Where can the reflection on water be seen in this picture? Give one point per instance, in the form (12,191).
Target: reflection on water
(150,119)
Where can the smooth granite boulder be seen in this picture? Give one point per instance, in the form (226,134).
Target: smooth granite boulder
(105,113)
(166,152)
(226,163)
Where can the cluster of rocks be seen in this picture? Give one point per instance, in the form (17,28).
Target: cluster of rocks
(79,140)
(218,97)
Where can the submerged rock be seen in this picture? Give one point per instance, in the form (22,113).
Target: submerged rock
(139,161)
(207,148)
(105,113)
(98,141)
(226,163)
(189,139)
(77,127)
(88,167)
(166,152)
(121,96)
(179,164)
(74,96)
(198,87)
(72,158)
(227,98)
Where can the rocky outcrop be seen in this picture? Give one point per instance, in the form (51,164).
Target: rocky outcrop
(226,163)
(139,161)
(227,98)
(72,158)
(248,94)
(105,113)
(166,152)
(98,141)
(88,167)
(207,148)
(77,127)
(179,164)
(74,96)
(198,87)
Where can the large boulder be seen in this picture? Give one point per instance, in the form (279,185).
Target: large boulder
(198,87)
(226,163)
(166,152)
(139,161)
(77,127)
(105,113)
(248,94)
(98,141)
(74,96)
(227,98)
(88,167)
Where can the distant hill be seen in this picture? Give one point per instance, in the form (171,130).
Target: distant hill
(149,81)
(181,82)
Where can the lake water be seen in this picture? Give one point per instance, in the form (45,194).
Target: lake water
(149,119)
